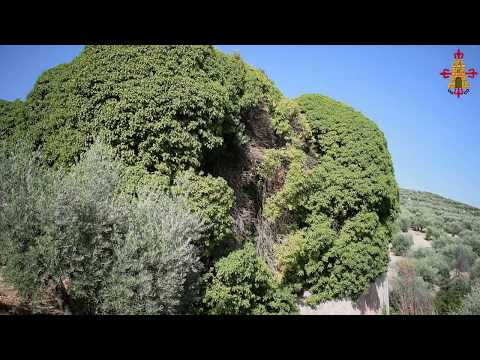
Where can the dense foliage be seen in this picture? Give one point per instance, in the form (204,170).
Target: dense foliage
(470,305)
(450,296)
(343,196)
(146,161)
(212,200)
(156,264)
(98,249)
(12,115)
(163,107)
(242,284)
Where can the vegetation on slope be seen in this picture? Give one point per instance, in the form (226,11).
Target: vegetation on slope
(448,271)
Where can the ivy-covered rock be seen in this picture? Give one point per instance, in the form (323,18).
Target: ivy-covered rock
(164,107)
(350,185)
(212,200)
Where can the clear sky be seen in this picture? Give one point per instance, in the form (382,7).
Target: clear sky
(433,136)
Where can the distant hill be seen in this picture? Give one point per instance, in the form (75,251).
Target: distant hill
(447,270)
(439,210)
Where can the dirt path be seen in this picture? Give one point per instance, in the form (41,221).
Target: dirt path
(419,242)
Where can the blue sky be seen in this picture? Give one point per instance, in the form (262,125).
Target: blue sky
(432,136)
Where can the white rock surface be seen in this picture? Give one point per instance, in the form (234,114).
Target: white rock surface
(370,303)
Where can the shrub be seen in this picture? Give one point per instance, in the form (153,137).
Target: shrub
(401,243)
(300,258)
(355,172)
(460,257)
(289,123)
(475,270)
(241,284)
(156,265)
(75,234)
(454,227)
(292,195)
(73,219)
(25,190)
(410,294)
(420,221)
(212,200)
(308,259)
(136,177)
(433,268)
(470,305)
(404,223)
(432,233)
(421,253)
(449,298)
(442,242)
(473,240)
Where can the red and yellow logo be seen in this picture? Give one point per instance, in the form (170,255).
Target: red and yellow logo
(459,84)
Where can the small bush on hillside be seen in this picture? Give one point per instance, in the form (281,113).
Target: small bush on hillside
(401,243)
(472,239)
(454,227)
(433,268)
(475,270)
(475,225)
(420,221)
(432,233)
(405,223)
(470,304)
(242,284)
(421,253)
(450,296)
(410,294)
(442,242)
(460,257)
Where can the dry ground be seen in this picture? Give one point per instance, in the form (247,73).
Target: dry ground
(11,303)
(419,242)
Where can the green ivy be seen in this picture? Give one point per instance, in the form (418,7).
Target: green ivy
(212,200)
(241,284)
(351,187)
(161,107)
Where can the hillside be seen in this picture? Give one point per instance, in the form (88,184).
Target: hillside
(436,254)
(178,179)
(430,201)
(443,213)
